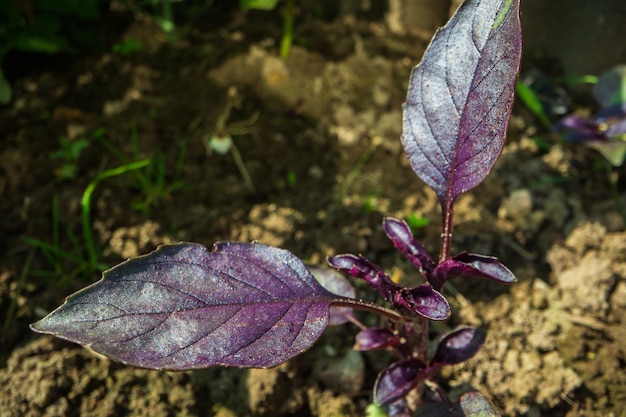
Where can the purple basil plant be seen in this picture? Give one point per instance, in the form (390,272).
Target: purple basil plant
(251,305)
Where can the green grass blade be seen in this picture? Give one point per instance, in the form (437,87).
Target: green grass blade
(86,203)
(531,100)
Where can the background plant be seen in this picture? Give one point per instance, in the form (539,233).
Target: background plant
(220,138)
(605,130)
(602,128)
(288,17)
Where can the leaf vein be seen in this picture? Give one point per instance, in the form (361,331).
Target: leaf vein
(202,336)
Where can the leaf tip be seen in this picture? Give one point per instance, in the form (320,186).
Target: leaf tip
(35,327)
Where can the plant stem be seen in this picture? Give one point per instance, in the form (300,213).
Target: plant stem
(420,351)
(167,24)
(447,211)
(285,43)
(242,169)
(421,332)
(369,307)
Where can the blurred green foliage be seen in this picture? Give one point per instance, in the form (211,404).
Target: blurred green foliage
(531,100)
(44,26)
(69,152)
(126,47)
(417,222)
(258,4)
(287,12)
(174,17)
(55,26)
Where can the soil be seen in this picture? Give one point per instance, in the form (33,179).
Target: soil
(320,143)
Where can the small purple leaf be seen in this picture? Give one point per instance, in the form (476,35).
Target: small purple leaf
(617,130)
(579,129)
(398,408)
(474,404)
(473,266)
(460,97)
(395,381)
(423,300)
(610,90)
(375,338)
(360,267)
(336,284)
(613,150)
(182,307)
(400,234)
(458,346)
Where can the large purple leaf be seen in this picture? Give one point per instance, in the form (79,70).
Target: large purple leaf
(183,307)
(460,97)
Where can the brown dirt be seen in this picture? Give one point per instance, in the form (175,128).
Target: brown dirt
(326,165)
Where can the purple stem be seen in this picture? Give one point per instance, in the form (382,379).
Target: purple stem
(420,351)
(369,307)
(446,230)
